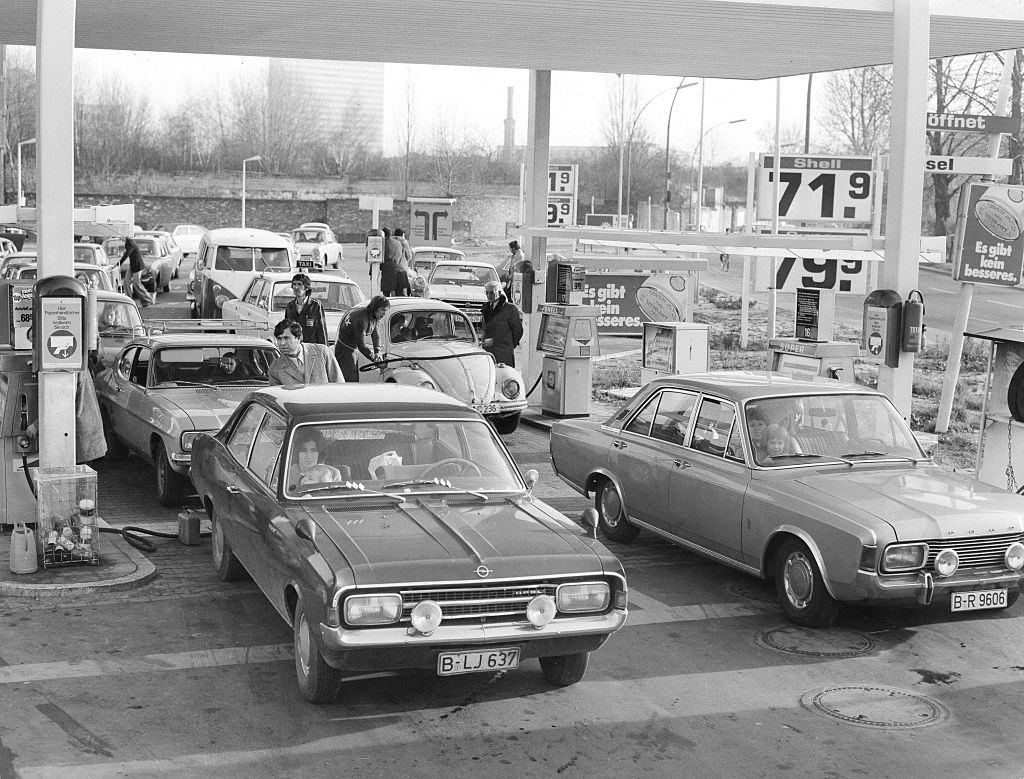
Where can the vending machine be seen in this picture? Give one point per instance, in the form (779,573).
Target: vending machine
(568,338)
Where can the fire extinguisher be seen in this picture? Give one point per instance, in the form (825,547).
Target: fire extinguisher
(913,322)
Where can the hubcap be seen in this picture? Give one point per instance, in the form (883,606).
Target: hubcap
(799,580)
(303,641)
(611,506)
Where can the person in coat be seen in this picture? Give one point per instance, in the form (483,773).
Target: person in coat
(389,265)
(503,326)
(301,363)
(136,266)
(307,311)
(357,323)
(403,287)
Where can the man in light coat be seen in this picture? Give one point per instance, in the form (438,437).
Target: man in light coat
(301,363)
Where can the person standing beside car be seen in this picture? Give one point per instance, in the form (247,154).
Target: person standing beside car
(136,266)
(301,363)
(389,264)
(516,263)
(403,287)
(503,326)
(357,323)
(307,311)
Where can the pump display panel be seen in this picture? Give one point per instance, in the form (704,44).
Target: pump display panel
(658,349)
(554,330)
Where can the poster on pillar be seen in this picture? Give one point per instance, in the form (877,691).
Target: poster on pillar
(628,299)
(990,244)
(431,221)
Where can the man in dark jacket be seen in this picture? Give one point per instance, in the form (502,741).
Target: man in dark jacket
(503,326)
(357,323)
(389,265)
(136,266)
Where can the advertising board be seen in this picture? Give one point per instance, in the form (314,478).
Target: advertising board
(990,237)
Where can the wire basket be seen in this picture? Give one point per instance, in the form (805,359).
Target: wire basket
(63,535)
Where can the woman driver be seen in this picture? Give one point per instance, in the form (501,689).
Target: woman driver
(306,465)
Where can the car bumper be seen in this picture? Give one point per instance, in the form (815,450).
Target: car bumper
(402,647)
(921,589)
(501,408)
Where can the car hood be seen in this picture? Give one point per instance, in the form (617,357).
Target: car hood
(918,503)
(458,368)
(457,292)
(439,541)
(208,409)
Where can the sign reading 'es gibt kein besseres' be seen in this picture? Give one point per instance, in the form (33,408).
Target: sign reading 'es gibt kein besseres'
(991,237)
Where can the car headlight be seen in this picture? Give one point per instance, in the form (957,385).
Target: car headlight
(1014,556)
(220,300)
(373,609)
(426,616)
(585,596)
(510,388)
(187,439)
(428,384)
(192,287)
(419,282)
(904,557)
(541,610)
(946,562)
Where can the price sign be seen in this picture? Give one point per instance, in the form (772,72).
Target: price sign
(817,188)
(561,179)
(839,276)
(561,212)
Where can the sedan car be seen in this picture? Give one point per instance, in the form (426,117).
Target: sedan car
(391,529)
(160,261)
(93,276)
(820,487)
(163,390)
(187,237)
(119,323)
(317,246)
(461,284)
(430,343)
(177,255)
(423,260)
(262,304)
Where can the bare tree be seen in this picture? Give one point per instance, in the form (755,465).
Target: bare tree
(455,159)
(112,126)
(346,147)
(407,133)
(1016,148)
(857,109)
(20,85)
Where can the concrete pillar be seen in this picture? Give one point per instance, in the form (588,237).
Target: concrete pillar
(55,166)
(906,176)
(536,184)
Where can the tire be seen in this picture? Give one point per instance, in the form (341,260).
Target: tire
(800,587)
(193,311)
(165,288)
(318,681)
(612,514)
(229,569)
(507,425)
(116,450)
(1011,598)
(1015,394)
(563,670)
(170,485)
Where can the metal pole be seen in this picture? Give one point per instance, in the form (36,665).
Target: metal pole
(622,127)
(257,158)
(776,175)
(807,122)
(668,160)
(21,144)
(700,161)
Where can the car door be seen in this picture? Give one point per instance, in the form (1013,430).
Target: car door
(236,513)
(707,486)
(642,464)
(128,402)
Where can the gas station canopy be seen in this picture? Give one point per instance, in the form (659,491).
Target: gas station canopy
(112,221)
(715,38)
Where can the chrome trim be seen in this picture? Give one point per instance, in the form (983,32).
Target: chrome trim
(695,547)
(453,635)
(183,459)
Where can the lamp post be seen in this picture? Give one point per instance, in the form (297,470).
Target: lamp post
(257,158)
(21,197)
(668,158)
(700,169)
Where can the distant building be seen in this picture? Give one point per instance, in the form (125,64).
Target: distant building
(340,90)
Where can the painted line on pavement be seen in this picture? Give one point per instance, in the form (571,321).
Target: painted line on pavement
(1001,303)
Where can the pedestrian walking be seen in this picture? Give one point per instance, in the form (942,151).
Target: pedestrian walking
(301,363)
(389,265)
(357,323)
(136,266)
(307,311)
(403,287)
(503,326)
(723,258)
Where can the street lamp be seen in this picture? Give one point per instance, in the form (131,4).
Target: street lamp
(257,158)
(700,169)
(21,197)
(668,159)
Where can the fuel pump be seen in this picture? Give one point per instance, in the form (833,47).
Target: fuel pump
(374,257)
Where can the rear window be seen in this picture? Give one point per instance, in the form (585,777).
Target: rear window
(147,245)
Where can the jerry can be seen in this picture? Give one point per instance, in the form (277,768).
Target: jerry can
(23,549)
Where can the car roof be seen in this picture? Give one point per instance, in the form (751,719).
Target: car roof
(404,303)
(107,296)
(203,339)
(321,225)
(90,244)
(462,263)
(322,402)
(245,236)
(276,276)
(447,249)
(746,385)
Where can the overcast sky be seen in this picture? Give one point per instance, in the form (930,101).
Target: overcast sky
(476,98)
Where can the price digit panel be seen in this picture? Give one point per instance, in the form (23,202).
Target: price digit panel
(833,189)
(840,276)
(561,179)
(560,211)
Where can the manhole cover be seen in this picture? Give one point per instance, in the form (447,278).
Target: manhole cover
(759,591)
(815,642)
(875,707)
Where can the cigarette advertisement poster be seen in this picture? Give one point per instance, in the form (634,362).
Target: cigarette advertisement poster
(991,245)
(629,299)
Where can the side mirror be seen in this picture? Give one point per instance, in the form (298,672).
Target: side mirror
(305,528)
(200,265)
(531,477)
(589,520)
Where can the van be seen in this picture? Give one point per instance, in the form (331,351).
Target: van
(226,261)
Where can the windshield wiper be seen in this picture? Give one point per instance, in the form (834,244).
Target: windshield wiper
(253,380)
(354,486)
(807,455)
(443,483)
(872,453)
(184,383)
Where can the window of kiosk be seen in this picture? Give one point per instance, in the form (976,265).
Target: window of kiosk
(659,354)
(553,332)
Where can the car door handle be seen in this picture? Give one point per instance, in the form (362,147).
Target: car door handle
(233,490)
(619,444)
(680,464)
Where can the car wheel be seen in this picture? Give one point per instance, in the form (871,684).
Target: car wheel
(506,425)
(165,288)
(1011,598)
(318,681)
(115,449)
(563,670)
(801,588)
(170,485)
(229,569)
(193,311)
(612,514)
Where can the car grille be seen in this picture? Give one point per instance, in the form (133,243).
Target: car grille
(479,603)
(987,552)
(474,311)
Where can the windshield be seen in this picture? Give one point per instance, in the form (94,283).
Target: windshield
(421,325)
(246,258)
(308,236)
(396,456)
(334,295)
(119,318)
(463,275)
(85,254)
(788,431)
(189,366)
(147,245)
